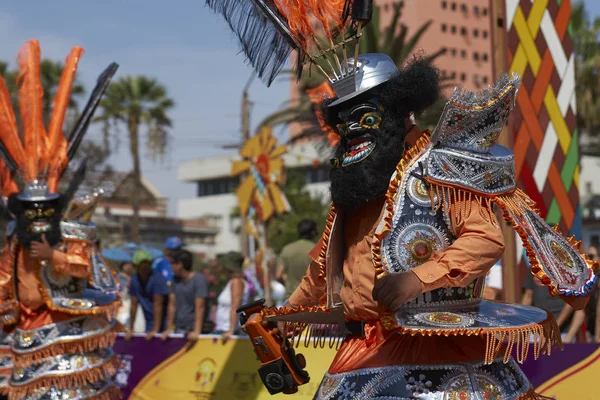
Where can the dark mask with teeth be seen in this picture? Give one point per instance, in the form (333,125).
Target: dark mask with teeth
(372,127)
(36,218)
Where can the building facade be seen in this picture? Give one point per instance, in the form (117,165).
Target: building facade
(215,189)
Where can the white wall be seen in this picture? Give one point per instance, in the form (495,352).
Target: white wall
(589,177)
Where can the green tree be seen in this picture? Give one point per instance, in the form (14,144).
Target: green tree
(282,228)
(587,75)
(133,102)
(393,40)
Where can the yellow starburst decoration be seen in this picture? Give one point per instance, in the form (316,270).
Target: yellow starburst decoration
(259,192)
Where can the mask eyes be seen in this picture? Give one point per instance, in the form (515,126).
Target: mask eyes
(49,212)
(342,128)
(30,214)
(370,121)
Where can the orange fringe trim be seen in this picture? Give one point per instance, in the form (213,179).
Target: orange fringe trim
(326,236)
(390,197)
(107,369)
(89,344)
(532,395)
(546,335)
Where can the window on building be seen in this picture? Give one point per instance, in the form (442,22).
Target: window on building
(444,5)
(476,80)
(316,175)
(214,187)
(484,34)
(444,28)
(485,80)
(463,77)
(484,11)
(463,54)
(476,10)
(476,56)
(484,57)
(475,32)
(453,29)
(453,76)
(453,52)
(463,7)
(463,31)
(453,6)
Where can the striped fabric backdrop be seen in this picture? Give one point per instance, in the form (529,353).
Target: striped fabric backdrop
(546,146)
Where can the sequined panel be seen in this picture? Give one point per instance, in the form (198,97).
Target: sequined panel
(560,261)
(485,173)
(61,365)
(417,233)
(87,391)
(77,231)
(485,314)
(474,121)
(460,381)
(102,277)
(66,331)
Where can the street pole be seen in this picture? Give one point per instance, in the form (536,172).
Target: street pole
(510,273)
(244,239)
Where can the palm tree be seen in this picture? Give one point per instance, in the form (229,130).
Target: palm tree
(587,72)
(392,40)
(135,101)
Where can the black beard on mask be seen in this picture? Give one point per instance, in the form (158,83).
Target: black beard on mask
(37,218)
(356,180)
(354,184)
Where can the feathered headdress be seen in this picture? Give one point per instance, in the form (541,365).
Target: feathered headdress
(34,161)
(269,30)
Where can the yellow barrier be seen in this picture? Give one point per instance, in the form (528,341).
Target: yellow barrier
(212,370)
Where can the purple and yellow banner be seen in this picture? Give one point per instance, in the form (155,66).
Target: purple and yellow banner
(211,369)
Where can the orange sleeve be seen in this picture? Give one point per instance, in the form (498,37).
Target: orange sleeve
(479,245)
(312,287)
(74,261)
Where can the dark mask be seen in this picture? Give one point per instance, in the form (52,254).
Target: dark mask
(372,127)
(37,218)
(371,145)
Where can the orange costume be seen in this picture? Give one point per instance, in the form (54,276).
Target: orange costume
(412,232)
(60,340)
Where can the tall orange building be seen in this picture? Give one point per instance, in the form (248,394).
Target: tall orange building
(462,28)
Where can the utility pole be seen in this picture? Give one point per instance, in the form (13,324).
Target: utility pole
(510,274)
(244,243)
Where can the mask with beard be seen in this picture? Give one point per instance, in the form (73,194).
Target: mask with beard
(37,218)
(372,127)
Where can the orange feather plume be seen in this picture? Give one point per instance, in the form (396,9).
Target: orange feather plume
(30,104)
(317,95)
(9,133)
(8,185)
(56,153)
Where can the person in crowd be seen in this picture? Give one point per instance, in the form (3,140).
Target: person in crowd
(190,309)
(235,293)
(163,264)
(148,288)
(568,319)
(295,257)
(125,273)
(592,314)
(493,282)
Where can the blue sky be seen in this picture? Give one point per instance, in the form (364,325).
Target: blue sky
(186,47)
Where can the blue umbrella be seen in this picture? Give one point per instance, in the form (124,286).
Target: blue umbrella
(125,253)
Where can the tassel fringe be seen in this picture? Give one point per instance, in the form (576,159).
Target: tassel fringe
(89,344)
(107,369)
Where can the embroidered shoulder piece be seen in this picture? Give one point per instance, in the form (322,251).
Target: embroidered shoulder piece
(466,164)
(465,153)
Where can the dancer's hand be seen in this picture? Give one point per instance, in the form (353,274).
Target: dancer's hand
(193,336)
(128,336)
(41,250)
(396,289)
